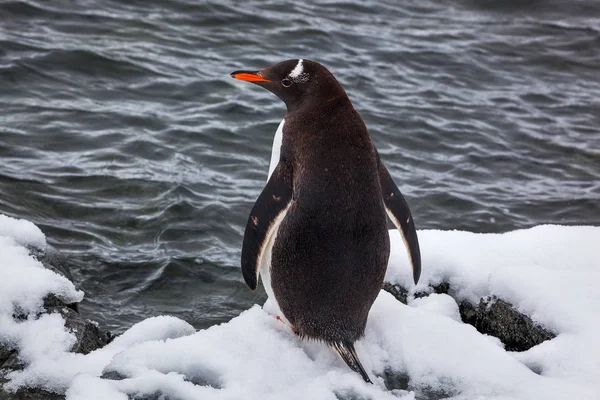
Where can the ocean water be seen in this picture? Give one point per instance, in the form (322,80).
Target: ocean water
(124,139)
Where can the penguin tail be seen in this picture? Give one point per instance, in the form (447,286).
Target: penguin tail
(346,350)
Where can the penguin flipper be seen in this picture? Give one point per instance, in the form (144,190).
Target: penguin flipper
(346,350)
(399,212)
(266,215)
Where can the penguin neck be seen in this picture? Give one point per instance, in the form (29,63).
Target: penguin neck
(318,105)
(325,99)
(324,127)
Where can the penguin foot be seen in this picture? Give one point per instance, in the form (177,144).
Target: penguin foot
(278,318)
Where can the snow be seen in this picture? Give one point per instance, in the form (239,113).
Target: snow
(22,232)
(24,282)
(18,270)
(441,304)
(550,273)
(547,272)
(56,371)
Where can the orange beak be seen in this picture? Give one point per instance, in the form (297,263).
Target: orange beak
(248,76)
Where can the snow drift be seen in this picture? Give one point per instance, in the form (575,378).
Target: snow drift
(418,350)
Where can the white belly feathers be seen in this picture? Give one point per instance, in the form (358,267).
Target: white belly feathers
(265,260)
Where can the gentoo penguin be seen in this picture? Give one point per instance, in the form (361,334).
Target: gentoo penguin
(317,234)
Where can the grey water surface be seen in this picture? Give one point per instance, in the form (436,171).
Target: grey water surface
(124,139)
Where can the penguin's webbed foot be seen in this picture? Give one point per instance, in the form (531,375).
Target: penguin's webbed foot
(278,318)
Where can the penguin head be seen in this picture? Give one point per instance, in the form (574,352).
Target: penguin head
(295,81)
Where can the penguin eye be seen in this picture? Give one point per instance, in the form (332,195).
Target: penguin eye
(286,82)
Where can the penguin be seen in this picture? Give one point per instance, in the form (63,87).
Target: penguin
(317,234)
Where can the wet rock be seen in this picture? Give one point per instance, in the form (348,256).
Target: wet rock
(88,335)
(492,316)
(53,260)
(51,302)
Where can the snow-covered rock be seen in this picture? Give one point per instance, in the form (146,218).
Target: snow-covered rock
(420,350)
(38,303)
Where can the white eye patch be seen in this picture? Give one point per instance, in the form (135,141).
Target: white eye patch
(298,75)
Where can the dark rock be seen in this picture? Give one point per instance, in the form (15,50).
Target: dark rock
(154,396)
(442,288)
(492,316)
(400,380)
(349,395)
(13,362)
(395,380)
(517,331)
(51,302)
(468,312)
(401,294)
(29,394)
(436,393)
(5,354)
(196,380)
(89,337)
(53,260)
(397,291)
(25,394)
(113,375)
(204,381)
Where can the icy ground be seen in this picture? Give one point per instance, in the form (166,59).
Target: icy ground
(551,273)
